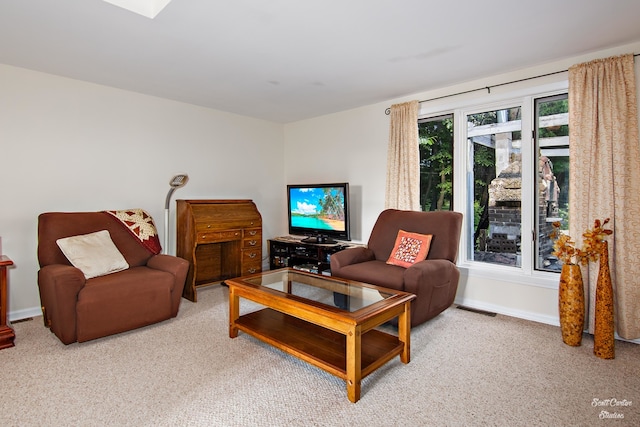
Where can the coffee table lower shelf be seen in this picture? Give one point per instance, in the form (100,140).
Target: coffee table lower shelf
(317,345)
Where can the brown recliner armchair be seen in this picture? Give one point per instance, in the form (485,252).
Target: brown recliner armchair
(434,280)
(81,309)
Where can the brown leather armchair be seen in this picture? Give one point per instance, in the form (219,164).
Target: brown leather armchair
(434,281)
(81,309)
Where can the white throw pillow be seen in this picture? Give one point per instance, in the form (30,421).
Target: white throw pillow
(94,254)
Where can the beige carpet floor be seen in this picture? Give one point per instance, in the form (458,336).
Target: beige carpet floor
(466,369)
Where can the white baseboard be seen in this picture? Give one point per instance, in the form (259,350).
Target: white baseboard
(507,311)
(24,314)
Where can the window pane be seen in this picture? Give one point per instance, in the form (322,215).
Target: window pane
(552,183)
(436,163)
(494,186)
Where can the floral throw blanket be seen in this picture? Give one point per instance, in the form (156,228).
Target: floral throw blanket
(141,225)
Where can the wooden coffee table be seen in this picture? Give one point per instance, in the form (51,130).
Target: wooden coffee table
(325,321)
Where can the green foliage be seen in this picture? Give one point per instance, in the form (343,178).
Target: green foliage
(554,107)
(436,163)
(477,211)
(486,118)
(549,108)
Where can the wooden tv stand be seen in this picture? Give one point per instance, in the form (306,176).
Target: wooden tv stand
(292,252)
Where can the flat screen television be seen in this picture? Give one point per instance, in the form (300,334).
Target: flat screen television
(319,211)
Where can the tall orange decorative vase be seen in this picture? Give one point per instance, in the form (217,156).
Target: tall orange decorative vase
(603,334)
(571,304)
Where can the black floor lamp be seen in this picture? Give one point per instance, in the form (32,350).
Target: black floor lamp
(175,183)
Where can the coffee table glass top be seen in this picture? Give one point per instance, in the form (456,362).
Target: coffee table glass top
(333,292)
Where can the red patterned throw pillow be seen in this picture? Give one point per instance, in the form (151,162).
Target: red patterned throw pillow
(409,248)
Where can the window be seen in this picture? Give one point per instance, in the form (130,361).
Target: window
(436,163)
(552,183)
(511,181)
(494,185)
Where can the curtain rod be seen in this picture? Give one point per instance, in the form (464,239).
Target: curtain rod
(488,88)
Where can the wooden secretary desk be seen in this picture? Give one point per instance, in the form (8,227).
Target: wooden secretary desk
(221,239)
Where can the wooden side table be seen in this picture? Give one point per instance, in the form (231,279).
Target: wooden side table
(7,336)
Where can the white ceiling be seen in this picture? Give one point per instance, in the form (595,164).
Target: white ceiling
(148,8)
(287,60)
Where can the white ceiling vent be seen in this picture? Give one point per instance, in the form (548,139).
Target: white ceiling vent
(148,8)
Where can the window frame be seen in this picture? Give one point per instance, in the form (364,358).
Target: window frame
(469,196)
(523,95)
(538,152)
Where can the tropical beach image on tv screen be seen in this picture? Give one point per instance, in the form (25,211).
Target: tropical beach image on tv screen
(319,208)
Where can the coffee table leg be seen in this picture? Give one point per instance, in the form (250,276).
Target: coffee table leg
(354,363)
(234,312)
(404,333)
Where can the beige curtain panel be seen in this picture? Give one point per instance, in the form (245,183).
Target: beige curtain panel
(403,158)
(604,178)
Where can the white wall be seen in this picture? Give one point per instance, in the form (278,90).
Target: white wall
(349,146)
(352,146)
(67,145)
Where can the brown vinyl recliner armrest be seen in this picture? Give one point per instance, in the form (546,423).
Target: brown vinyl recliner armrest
(179,268)
(351,256)
(59,287)
(434,281)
